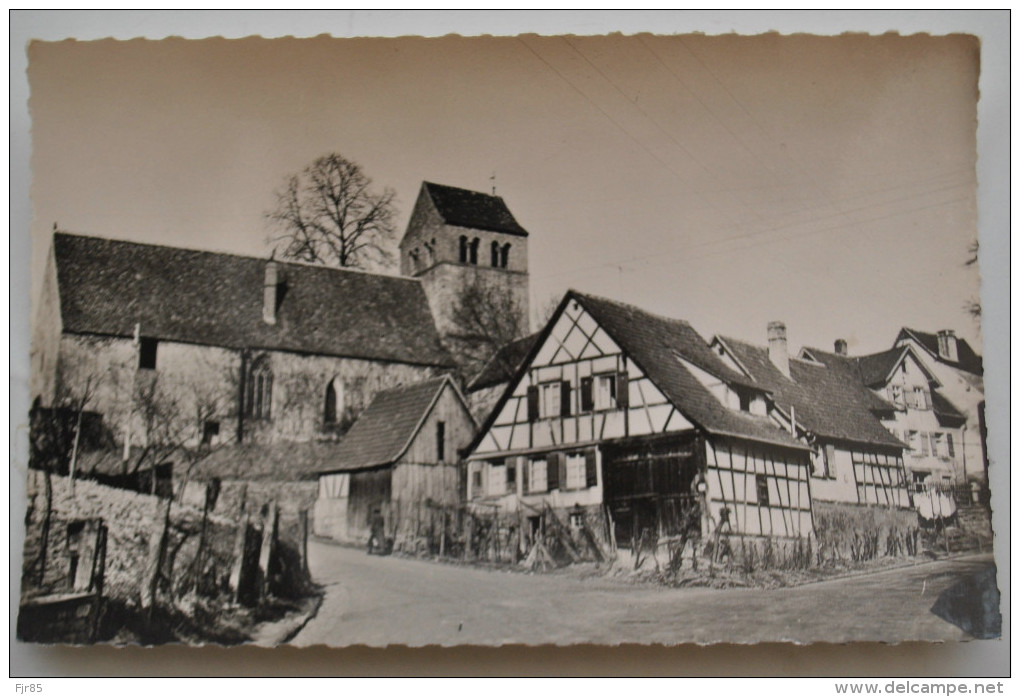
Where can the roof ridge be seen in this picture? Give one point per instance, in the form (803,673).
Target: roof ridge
(619,303)
(250,257)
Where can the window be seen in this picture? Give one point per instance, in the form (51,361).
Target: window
(147,353)
(924,443)
(259,390)
(334,406)
(414,260)
(921,398)
(476,481)
(825,461)
(463,249)
(552,395)
(896,394)
(576,520)
(504,255)
(949,445)
(538,481)
(495,254)
(937,445)
(511,477)
(473,251)
(605,391)
(912,441)
(210,432)
(440,441)
(762,486)
(576,471)
(497,478)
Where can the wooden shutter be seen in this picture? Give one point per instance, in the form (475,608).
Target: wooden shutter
(587,399)
(949,444)
(565,398)
(591,476)
(533,403)
(553,462)
(622,391)
(525,475)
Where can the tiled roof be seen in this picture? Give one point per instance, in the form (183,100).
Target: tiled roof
(876,367)
(828,397)
(473,209)
(385,429)
(108,286)
(504,364)
(968,359)
(653,342)
(944,409)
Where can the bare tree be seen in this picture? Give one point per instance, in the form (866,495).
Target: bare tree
(327,215)
(485,317)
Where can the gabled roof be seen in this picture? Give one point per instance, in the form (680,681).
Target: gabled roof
(504,364)
(877,367)
(653,342)
(827,395)
(473,209)
(969,361)
(387,427)
(107,286)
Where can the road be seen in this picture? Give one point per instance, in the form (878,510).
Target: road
(378,601)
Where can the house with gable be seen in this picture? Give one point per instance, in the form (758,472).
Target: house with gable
(960,373)
(400,458)
(626,422)
(923,418)
(855,459)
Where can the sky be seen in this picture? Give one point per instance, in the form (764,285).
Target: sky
(828,182)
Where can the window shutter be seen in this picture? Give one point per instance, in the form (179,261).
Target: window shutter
(565,398)
(525,475)
(927,399)
(562,478)
(949,444)
(622,391)
(533,403)
(553,462)
(591,476)
(924,443)
(587,400)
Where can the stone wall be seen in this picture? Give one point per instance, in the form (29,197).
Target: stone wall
(130,519)
(192,384)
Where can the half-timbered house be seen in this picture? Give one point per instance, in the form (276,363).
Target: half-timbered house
(820,397)
(627,423)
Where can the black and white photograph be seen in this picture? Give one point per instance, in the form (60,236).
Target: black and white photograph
(648,339)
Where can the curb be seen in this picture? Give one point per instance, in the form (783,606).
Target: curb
(272,634)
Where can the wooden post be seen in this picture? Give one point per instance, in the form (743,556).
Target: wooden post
(442,535)
(157,548)
(237,569)
(268,550)
(303,533)
(74,447)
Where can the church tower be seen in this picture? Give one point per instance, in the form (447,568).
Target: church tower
(461,241)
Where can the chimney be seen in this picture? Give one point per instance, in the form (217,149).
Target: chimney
(840,346)
(947,345)
(270,292)
(778,354)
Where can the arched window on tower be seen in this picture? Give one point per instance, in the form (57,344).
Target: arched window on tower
(504,255)
(259,390)
(474,250)
(463,249)
(495,254)
(414,260)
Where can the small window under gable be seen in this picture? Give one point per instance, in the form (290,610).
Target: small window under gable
(504,255)
(495,254)
(473,250)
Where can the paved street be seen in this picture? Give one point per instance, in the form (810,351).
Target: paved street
(388,600)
